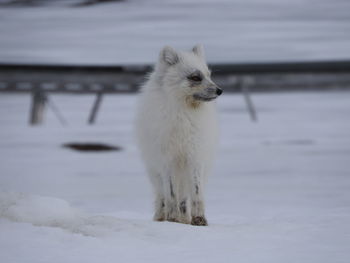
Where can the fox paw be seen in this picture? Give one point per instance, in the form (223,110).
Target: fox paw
(159,219)
(159,216)
(199,221)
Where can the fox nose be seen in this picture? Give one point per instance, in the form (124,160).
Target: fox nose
(218,91)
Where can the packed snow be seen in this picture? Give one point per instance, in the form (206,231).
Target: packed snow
(279,191)
(133,31)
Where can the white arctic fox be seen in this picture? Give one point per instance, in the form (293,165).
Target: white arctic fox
(177,133)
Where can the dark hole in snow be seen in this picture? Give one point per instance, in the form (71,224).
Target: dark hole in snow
(93,2)
(77,3)
(91,147)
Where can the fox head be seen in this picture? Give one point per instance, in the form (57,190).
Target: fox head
(186,74)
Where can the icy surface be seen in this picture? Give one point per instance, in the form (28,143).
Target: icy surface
(279,191)
(133,31)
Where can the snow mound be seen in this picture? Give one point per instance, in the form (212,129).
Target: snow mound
(38,210)
(53,212)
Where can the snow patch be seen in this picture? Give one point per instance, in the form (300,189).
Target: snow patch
(38,210)
(55,212)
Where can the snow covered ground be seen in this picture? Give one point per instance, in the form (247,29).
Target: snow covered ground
(133,31)
(279,191)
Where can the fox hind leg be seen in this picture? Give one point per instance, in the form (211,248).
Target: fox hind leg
(159,202)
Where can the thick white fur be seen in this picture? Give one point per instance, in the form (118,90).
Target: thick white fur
(177,135)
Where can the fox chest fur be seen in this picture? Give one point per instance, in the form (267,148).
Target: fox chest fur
(179,134)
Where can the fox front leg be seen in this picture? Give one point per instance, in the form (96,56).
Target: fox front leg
(198,209)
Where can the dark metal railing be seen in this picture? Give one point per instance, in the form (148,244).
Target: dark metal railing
(41,80)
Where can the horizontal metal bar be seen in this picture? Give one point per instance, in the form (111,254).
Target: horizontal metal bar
(117,79)
(244,68)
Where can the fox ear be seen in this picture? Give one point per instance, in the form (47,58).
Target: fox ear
(199,50)
(169,55)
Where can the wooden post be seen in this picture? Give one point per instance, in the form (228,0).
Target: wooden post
(244,84)
(37,107)
(95,108)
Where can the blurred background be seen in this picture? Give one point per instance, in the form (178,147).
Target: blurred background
(71,179)
(111,32)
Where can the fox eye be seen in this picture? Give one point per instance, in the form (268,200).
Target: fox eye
(195,78)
